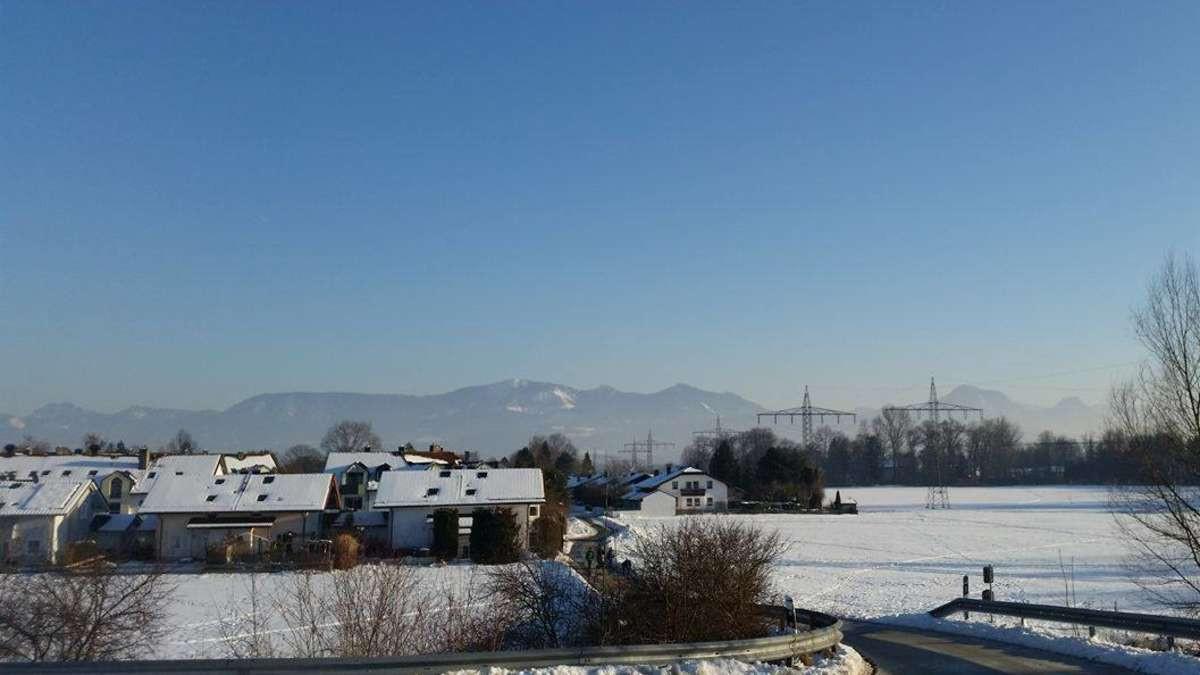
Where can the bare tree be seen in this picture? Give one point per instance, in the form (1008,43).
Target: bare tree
(546,600)
(245,630)
(33,446)
(1158,413)
(894,427)
(350,436)
(90,615)
(181,444)
(92,440)
(302,459)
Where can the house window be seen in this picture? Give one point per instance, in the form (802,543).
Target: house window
(710,501)
(262,498)
(710,485)
(115,489)
(114,508)
(210,498)
(33,546)
(67,472)
(481,474)
(533,511)
(92,472)
(268,480)
(470,492)
(353,502)
(431,492)
(219,481)
(674,485)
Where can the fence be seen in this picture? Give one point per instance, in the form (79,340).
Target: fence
(823,634)
(1169,626)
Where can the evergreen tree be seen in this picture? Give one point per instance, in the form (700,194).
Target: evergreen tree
(445,534)
(523,459)
(586,467)
(723,465)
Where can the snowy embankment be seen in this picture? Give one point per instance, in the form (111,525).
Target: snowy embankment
(897,560)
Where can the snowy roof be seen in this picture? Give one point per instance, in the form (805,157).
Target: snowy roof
(238,492)
(460,487)
(43,498)
(175,465)
(652,482)
(594,479)
(66,466)
(338,462)
(245,461)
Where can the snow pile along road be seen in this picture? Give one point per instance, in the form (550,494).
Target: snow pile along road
(845,662)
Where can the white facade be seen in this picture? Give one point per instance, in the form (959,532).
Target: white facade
(38,521)
(691,490)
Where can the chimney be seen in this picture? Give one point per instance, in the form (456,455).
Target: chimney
(144,458)
(466,456)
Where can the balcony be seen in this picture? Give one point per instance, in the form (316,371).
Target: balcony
(692,492)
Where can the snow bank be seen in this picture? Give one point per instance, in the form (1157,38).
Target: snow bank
(578,529)
(845,662)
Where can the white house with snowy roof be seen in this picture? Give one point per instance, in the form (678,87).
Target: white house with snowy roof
(671,491)
(411,497)
(196,512)
(358,473)
(39,519)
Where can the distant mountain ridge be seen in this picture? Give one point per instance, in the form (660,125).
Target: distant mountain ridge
(493,418)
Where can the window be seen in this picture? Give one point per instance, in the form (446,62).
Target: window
(444,474)
(268,480)
(210,498)
(262,498)
(710,501)
(66,472)
(710,485)
(178,473)
(352,502)
(152,474)
(46,473)
(470,492)
(92,472)
(674,485)
(116,489)
(114,508)
(533,511)
(431,492)
(481,474)
(219,481)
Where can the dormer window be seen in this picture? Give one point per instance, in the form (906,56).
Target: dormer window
(67,472)
(46,472)
(152,474)
(268,480)
(262,498)
(210,498)
(444,474)
(470,492)
(220,481)
(432,492)
(92,472)
(178,473)
(481,474)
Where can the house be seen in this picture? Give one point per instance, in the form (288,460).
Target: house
(411,497)
(161,466)
(251,511)
(674,491)
(358,474)
(115,475)
(40,518)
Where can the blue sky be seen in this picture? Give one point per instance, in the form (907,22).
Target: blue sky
(204,201)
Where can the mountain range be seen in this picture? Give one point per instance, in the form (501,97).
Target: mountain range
(492,419)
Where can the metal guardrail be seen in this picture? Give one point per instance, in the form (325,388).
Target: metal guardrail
(1169,626)
(825,632)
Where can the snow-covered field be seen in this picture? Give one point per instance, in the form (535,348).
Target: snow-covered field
(897,557)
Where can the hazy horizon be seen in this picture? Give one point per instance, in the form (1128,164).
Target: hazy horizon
(201,206)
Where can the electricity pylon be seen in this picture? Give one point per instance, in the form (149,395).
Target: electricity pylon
(806,412)
(646,446)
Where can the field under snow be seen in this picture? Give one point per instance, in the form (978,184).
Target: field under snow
(897,557)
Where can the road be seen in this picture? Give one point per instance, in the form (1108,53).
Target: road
(904,651)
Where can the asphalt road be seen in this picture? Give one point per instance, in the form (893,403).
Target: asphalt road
(905,651)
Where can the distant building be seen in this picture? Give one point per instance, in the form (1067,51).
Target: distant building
(40,518)
(676,491)
(411,497)
(358,474)
(249,511)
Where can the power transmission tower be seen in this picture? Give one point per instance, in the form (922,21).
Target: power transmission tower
(937,496)
(806,412)
(646,446)
(718,432)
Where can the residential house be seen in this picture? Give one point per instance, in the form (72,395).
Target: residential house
(125,534)
(411,497)
(250,511)
(358,473)
(671,491)
(40,518)
(161,466)
(115,475)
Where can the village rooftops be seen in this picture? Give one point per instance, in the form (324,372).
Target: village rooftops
(338,462)
(460,487)
(43,498)
(176,465)
(653,481)
(65,466)
(254,493)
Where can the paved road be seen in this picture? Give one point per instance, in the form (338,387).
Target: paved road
(904,651)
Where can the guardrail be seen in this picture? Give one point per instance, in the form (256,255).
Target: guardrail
(824,634)
(1169,626)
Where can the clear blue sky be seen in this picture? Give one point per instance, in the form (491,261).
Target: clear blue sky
(204,201)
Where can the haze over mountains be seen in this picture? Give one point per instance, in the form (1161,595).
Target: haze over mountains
(493,419)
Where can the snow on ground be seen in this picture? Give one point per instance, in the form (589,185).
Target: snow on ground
(845,662)
(897,557)
(578,529)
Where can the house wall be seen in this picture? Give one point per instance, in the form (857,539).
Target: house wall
(127,502)
(714,498)
(411,527)
(176,541)
(16,533)
(658,504)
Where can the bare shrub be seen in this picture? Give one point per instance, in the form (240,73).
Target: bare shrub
(701,580)
(93,614)
(545,601)
(345,551)
(245,624)
(466,619)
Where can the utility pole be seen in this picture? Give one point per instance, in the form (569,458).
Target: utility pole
(806,412)
(646,446)
(717,432)
(937,496)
